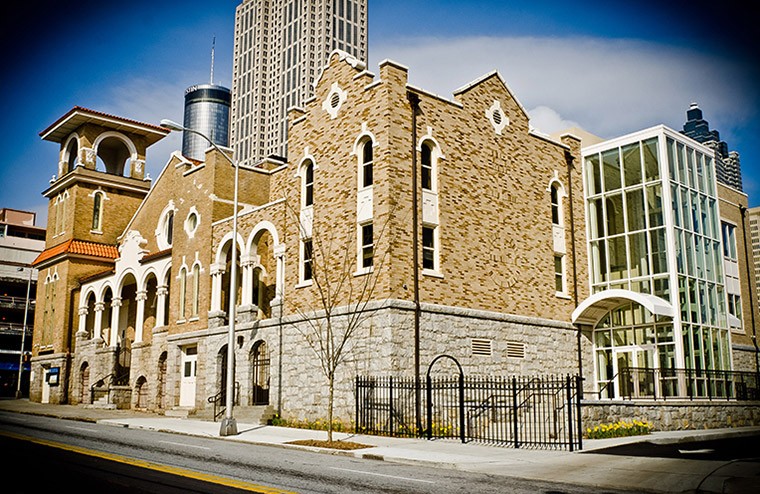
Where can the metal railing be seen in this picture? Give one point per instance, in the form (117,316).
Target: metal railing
(219,400)
(693,384)
(536,412)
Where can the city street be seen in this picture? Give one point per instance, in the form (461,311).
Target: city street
(110,459)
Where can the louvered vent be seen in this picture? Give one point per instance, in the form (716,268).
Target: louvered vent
(515,349)
(481,347)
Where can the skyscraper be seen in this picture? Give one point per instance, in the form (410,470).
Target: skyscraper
(280,48)
(207,110)
(727,165)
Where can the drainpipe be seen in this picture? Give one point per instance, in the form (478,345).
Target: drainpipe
(753,307)
(414,102)
(569,159)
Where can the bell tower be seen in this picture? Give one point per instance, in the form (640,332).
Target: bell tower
(99,184)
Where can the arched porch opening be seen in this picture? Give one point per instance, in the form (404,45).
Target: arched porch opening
(259,373)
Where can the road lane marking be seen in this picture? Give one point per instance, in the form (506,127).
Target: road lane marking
(182,472)
(86,429)
(383,475)
(185,445)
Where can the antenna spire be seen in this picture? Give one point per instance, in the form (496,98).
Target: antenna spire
(213,44)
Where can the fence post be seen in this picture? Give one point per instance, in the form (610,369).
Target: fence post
(514,411)
(429,406)
(390,406)
(461,407)
(569,412)
(356,422)
(578,398)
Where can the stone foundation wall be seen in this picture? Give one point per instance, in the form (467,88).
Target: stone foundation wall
(675,415)
(744,358)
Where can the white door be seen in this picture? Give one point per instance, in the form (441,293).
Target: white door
(45,386)
(187,381)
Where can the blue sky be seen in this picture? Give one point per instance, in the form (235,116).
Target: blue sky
(610,68)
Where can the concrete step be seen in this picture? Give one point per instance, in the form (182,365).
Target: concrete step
(260,414)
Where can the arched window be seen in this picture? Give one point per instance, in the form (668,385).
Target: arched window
(182,291)
(426,167)
(97,211)
(365,171)
(308,184)
(169,227)
(556,211)
(196,290)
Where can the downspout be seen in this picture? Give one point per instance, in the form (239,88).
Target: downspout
(569,159)
(414,102)
(753,307)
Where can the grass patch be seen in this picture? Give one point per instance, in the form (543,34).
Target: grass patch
(343,445)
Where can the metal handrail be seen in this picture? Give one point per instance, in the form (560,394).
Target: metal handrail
(219,398)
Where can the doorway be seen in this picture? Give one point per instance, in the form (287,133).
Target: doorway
(189,370)
(636,367)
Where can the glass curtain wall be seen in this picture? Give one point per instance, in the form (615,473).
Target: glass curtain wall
(653,228)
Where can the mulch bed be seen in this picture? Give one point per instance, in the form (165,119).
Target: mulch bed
(344,445)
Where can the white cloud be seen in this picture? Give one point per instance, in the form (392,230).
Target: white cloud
(610,87)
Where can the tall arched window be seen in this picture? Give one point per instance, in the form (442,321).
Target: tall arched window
(556,212)
(182,291)
(97,211)
(308,184)
(365,171)
(169,227)
(426,167)
(196,290)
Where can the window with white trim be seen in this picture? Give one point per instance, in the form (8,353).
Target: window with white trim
(365,170)
(556,206)
(559,273)
(428,248)
(367,245)
(182,291)
(196,291)
(97,211)
(307,253)
(426,168)
(308,184)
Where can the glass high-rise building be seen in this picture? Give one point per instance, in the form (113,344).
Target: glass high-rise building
(281,46)
(656,266)
(207,110)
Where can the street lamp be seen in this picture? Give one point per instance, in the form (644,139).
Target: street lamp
(23,333)
(229,426)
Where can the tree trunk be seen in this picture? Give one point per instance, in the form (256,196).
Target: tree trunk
(330,409)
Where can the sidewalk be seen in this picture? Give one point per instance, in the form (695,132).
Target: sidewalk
(586,468)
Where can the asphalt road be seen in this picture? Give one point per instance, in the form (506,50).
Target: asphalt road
(51,453)
(730,449)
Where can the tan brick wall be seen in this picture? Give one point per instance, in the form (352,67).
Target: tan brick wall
(731,202)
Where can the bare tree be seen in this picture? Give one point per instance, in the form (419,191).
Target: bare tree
(335,310)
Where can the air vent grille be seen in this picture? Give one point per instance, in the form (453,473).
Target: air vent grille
(481,347)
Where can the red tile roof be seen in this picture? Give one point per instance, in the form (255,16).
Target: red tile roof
(79,247)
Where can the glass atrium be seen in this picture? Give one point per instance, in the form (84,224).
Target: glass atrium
(653,228)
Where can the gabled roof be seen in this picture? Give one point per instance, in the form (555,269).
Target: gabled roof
(78,247)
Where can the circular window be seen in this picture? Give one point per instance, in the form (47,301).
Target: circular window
(191,223)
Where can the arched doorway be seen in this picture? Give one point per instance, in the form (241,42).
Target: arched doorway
(141,389)
(260,374)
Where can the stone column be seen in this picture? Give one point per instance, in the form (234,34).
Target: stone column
(246,268)
(97,330)
(82,331)
(217,271)
(161,292)
(114,336)
(279,292)
(141,297)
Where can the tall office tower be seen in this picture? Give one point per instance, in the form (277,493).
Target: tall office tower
(727,165)
(280,48)
(207,110)
(754,232)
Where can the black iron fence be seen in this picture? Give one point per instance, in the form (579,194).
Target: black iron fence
(691,384)
(537,412)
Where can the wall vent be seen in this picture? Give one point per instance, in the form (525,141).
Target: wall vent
(515,349)
(481,347)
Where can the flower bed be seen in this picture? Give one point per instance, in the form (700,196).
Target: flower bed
(619,429)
